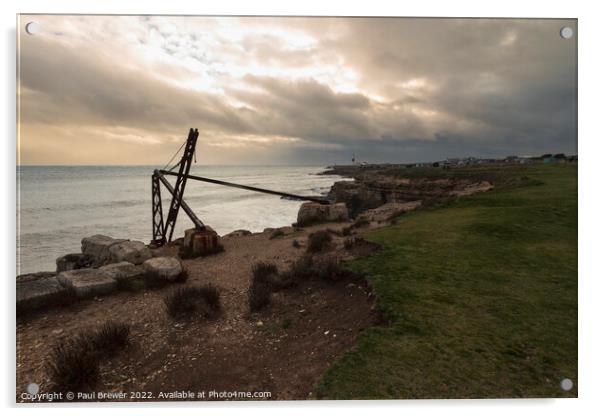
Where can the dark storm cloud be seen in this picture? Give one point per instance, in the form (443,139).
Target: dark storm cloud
(418,89)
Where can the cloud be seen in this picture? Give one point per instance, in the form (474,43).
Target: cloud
(295,90)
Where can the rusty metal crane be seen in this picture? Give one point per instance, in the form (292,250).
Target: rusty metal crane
(163,231)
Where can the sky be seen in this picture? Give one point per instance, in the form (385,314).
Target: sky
(124,90)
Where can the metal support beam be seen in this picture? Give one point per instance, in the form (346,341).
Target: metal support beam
(178,189)
(158,229)
(195,220)
(252,188)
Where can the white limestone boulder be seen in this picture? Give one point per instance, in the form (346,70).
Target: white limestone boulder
(98,247)
(123,271)
(36,293)
(88,282)
(168,268)
(73,261)
(135,252)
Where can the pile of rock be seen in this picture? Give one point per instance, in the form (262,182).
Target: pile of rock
(103,265)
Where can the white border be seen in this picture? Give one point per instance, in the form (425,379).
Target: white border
(590,164)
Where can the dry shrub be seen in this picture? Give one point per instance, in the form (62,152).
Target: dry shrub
(73,364)
(301,269)
(191,300)
(348,243)
(330,269)
(262,285)
(110,338)
(318,241)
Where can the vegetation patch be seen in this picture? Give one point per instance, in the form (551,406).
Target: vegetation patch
(110,338)
(300,270)
(262,285)
(73,364)
(192,301)
(481,295)
(318,241)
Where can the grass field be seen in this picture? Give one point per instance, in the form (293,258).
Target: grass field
(481,296)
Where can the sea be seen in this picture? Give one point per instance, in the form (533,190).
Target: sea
(57,206)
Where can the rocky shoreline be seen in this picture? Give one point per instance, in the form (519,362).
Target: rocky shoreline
(375,195)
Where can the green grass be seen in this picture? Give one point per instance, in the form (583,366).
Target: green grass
(481,296)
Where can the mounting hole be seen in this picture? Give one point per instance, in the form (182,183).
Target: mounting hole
(32,28)
(33,388)
(566,32)
(566,384)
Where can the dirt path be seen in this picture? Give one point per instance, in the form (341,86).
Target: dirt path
(282,350)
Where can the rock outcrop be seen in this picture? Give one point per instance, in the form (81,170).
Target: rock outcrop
(315,213)
(377,186)
(473,188)
(388,211)
(356,196)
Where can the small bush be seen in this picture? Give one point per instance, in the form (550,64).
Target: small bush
(189,300)
(276,233)
(318,241)
(260,295)
(347,231)
(296,244)
(262,285)
(263,271)
(300,270)
(348,243)
(330,269)
(211,296)
(73,365)
(110,338)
